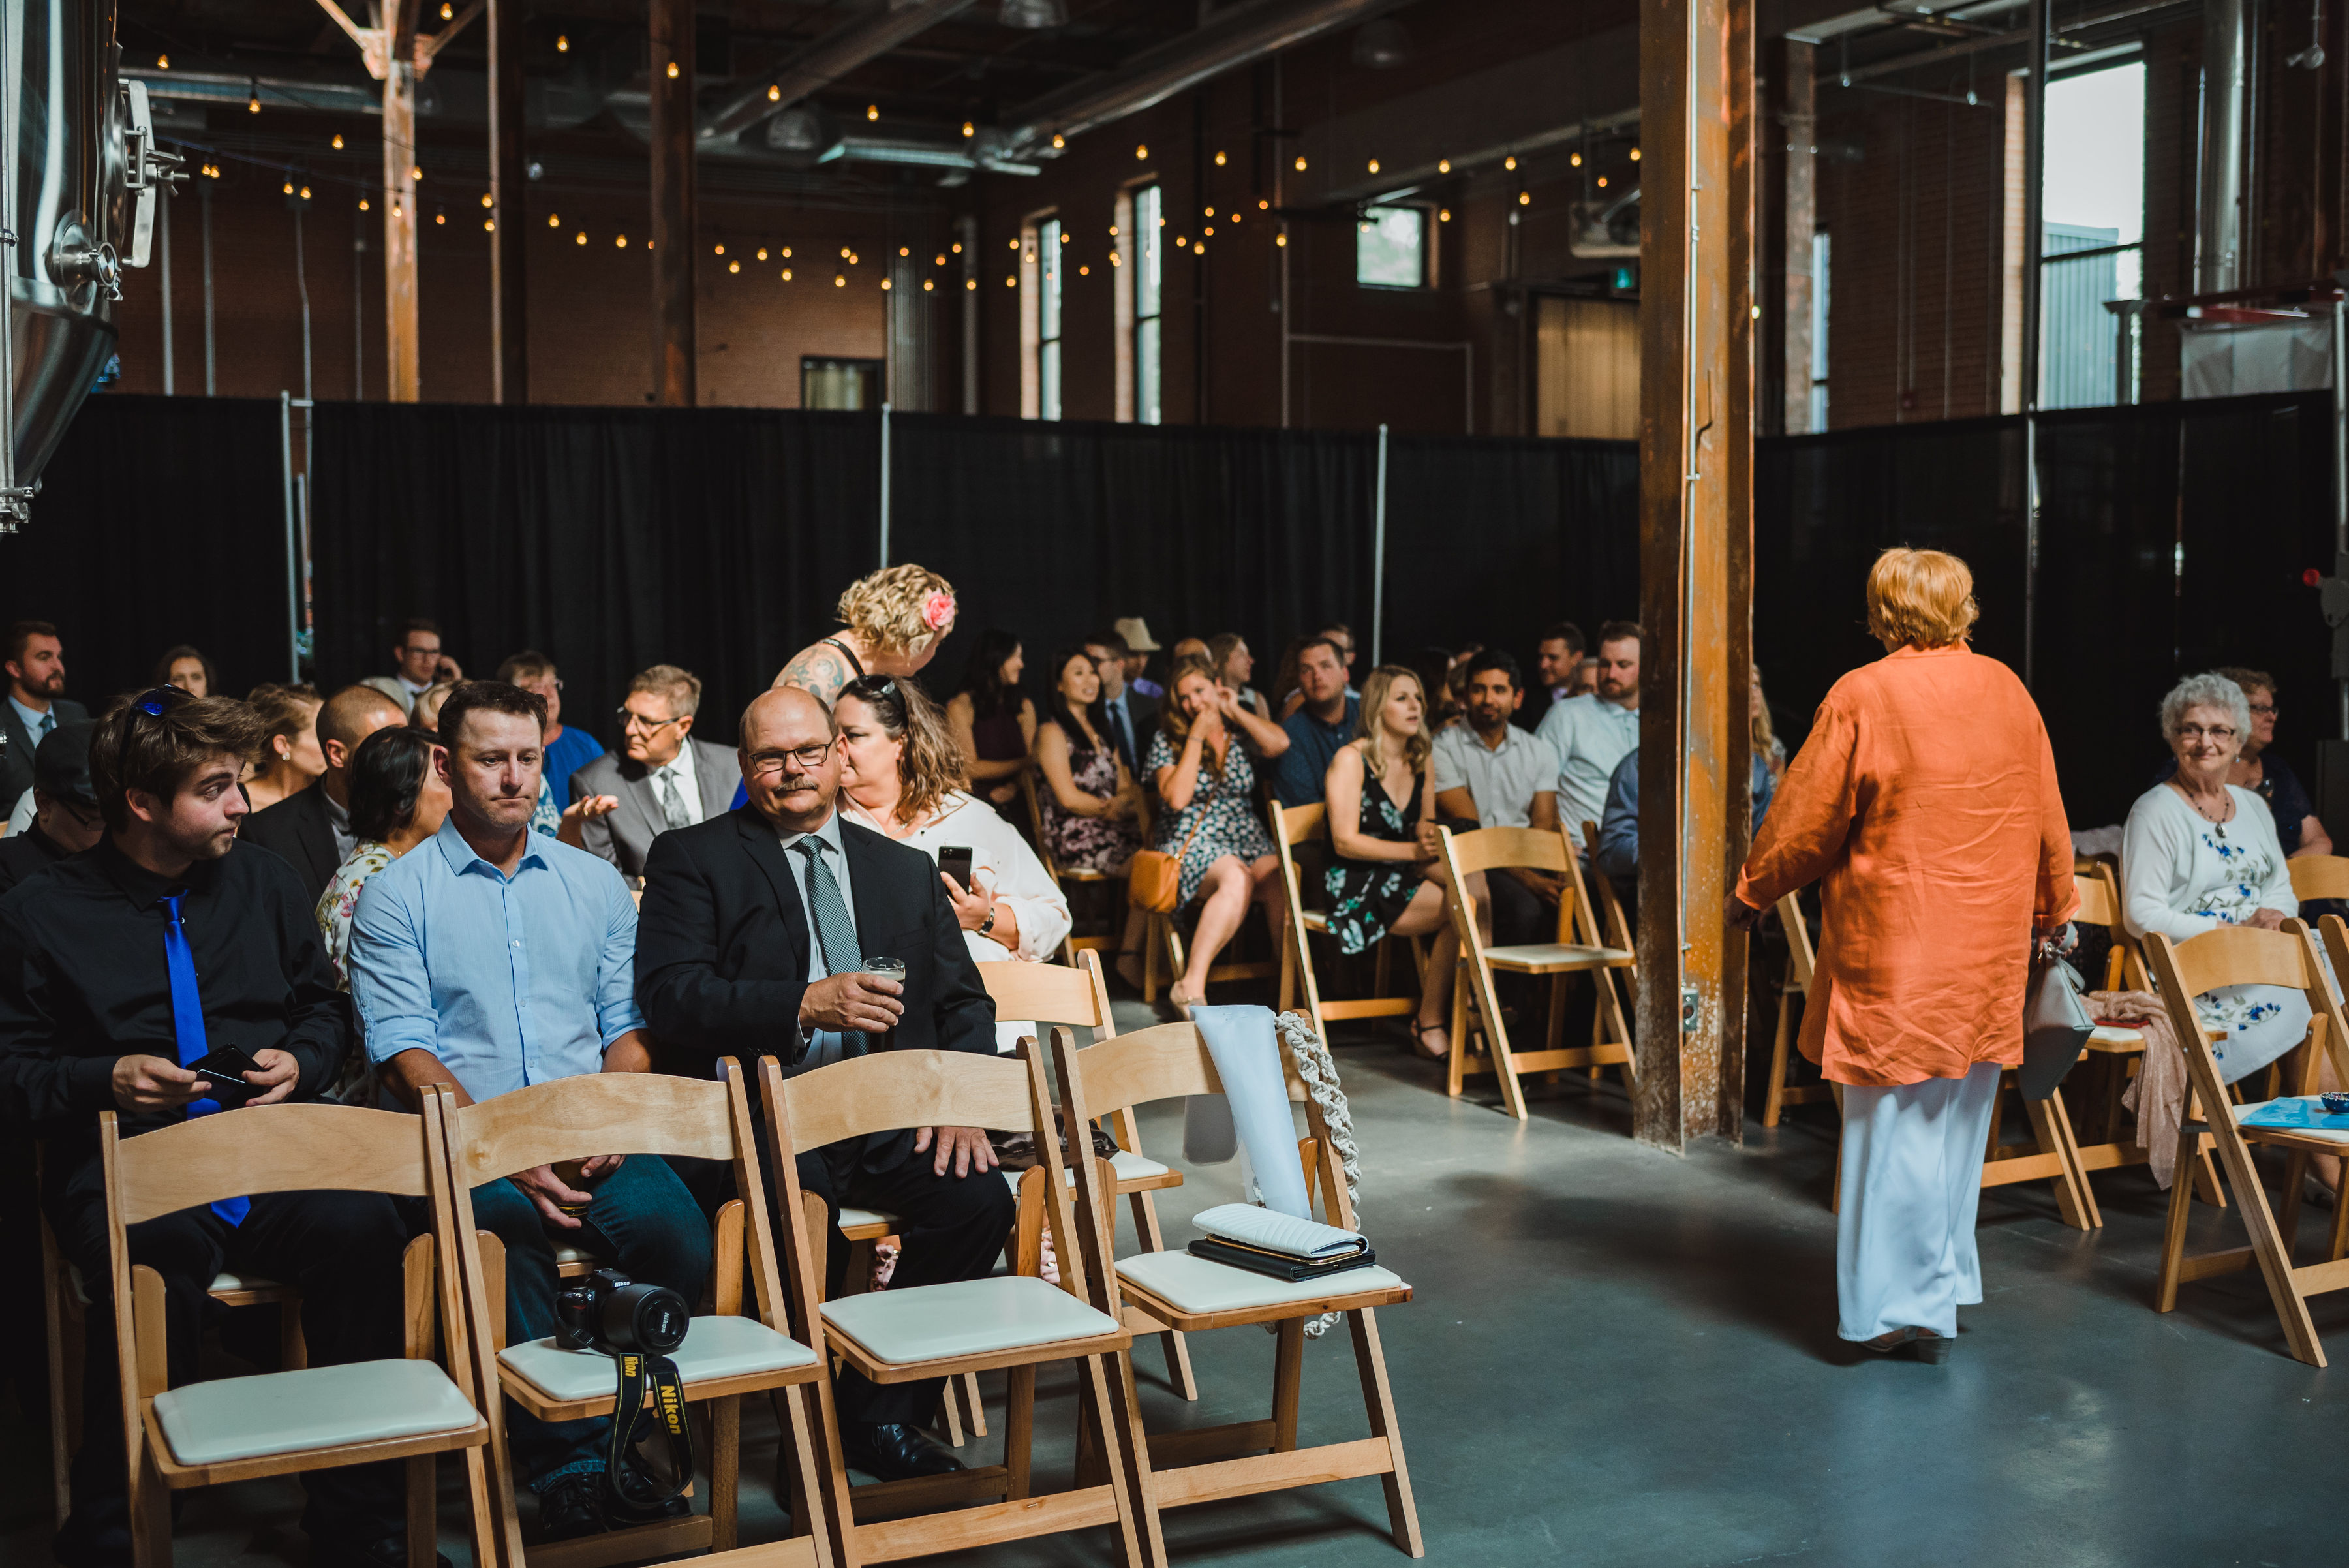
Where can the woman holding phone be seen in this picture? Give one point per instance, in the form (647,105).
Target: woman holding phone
(902,776)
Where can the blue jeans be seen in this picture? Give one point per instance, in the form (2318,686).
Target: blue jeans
(644,1223)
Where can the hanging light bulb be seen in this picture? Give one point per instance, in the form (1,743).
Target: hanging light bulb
(839,281)
(787,274)
(941,259)
(720,251)
(733,267)
(289,187)
(970,283)
(1141,151)
(252,100)
(928,286)
(1374,165)
(1635,155)
(1574,160)
(763,253)
(447,10)
(955,247)
(844,253)
(787,252)
(553,220)
(774,94)
(485,199)
(163,62)
(1443,214)
(416,172)
(339,141)
(905,251)
(1510,162)
(440,217)
(1300,163)
(363,203)
(1084,272)
(1262,205)
(1219,160)
(620,242)
(306,192)
(562,43)
(583,237)
(1015,244)
(872,112)
(1012,283)
(1444,166)
(885,285)
(1280,239)
(489,226)
(968,129)
(1059,141)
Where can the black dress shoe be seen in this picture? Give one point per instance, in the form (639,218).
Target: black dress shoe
(572,1506)
(618,1515)
(387,1551)
(895,1452)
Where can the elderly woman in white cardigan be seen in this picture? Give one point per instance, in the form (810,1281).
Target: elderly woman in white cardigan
(2199,853)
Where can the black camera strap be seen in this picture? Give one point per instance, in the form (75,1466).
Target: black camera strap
(651,1456)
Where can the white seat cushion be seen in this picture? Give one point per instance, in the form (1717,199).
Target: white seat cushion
(852,1217)
(1542,955)
(319,1407)
(225,1282)
(567,1255)
(963,1317)
(2114,1034)
(714,1347)
(1202,1285)
(1129,1166)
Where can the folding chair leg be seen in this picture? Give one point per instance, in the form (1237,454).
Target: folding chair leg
(950,1414)
(2295,1168)
(2070,1203)
(2267,1246)
(1774,1100)
(1150,940)
(725,1471)
(1378,1403)
(1458,1069)
(422,1530)
(1496,1041)
(1287,1372)
(977,1410)
(2060,1117)
(806,1483)
(1019,1428)
(1178,1354)
(1136,1487)
(2173,1232)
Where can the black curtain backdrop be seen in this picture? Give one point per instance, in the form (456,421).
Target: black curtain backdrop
(2172,538)
(160,521)
(609,538)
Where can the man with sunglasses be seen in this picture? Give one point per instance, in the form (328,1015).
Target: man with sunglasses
(66,819)
(756,931)
(660,775)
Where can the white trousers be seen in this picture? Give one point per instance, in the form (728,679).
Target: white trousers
(1912,1165)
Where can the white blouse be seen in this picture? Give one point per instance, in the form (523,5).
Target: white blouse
(1001,861)
(2183,874)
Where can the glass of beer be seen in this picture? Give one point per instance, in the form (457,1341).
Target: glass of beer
(887,968)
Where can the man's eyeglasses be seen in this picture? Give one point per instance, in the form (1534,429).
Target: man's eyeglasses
(632,720)
(2219,733)
(806,759)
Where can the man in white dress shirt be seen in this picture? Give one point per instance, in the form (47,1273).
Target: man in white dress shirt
(1591,733)
(662,777)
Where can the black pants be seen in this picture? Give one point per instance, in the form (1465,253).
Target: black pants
(340,1250)
(953,1228)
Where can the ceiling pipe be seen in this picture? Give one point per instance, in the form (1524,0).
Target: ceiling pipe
(1156,75)
(824,62)
(2218,219)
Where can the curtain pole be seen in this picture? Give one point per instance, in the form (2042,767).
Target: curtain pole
(885,483)
(1379,558)
(293,557)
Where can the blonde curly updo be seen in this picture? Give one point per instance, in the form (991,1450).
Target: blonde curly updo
(899,609)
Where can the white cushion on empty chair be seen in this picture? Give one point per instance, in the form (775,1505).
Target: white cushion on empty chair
(223,1282)
(850,1219)
(317,1407)
(714,1347)
(1545,955)
(2114,1034)
(1202,1285)
(963,1317)
(1129,1166)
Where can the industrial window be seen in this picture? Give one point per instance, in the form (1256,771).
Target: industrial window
(1391,247)
(1148,279)
(1048,319)
(839,383)
(2092,241)
(1820,253)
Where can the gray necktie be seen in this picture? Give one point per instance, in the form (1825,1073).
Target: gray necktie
(835,928)
(673,802)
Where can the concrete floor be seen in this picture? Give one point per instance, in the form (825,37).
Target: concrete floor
(1617,1356)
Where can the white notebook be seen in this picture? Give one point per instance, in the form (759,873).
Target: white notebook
(1277,1233)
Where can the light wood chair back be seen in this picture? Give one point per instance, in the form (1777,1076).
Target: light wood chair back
(1075,993)
(894,1089)
(1802,965)
(266,1150)
(2318,876)
(1204,1465)
(634,1114)
(2244,955)
(1463,855)
(1611,919)
(1293,825)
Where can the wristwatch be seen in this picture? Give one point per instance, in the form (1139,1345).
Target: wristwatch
(988,924)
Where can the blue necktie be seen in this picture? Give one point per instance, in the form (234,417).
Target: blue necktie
(187,1025)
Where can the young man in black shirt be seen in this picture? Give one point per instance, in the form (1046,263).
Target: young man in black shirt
(167,940)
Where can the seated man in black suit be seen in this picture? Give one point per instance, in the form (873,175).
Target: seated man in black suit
(311,828)
(35,705)
(754,932)
(65,820)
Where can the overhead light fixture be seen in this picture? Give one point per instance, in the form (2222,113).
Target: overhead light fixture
(968,129)
(1033,15)
(872,112)
(1219,161)
(553,220)
(1444,166)
(253,99)
(1382,45)
(485,199)
(562,43)
(163,62)
(1510,162)
(339,141)
(1374,165)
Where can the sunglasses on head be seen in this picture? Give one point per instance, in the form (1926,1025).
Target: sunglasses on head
(155,703)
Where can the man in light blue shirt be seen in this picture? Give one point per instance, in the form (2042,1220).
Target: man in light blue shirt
(1592,734)
(489,957)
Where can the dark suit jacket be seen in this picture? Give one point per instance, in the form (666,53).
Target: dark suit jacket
(1143,715)
(299,832)
(623,838)
(722,945)
(16,764)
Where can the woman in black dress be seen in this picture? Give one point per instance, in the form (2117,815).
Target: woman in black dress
(1387,880)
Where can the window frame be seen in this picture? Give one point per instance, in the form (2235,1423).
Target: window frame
(1427,226)
(1138,255)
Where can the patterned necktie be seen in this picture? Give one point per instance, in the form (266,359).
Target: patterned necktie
(1125,735)
(41,730)
(835,928)
(672,801)
(188,1025)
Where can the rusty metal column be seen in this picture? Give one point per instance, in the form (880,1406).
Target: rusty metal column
(509,236)
(1696,410)
(400,316)
(671,69)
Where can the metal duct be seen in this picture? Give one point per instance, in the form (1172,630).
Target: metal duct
(1157,75)
(2219,227)
(274,92)
(824,62)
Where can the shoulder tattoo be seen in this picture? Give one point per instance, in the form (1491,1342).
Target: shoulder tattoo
(819,671)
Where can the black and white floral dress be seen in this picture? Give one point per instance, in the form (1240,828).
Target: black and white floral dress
(1222,808)
(1367,896)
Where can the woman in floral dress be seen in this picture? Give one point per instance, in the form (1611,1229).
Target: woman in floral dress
(1387,880)
(399,800)
(1208,785)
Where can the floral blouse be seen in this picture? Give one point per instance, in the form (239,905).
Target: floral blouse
(354,1084)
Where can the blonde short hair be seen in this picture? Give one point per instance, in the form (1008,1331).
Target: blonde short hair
(888,609)
(680,689)
(1920,598)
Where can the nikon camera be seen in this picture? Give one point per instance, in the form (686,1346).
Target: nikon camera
(608,1313)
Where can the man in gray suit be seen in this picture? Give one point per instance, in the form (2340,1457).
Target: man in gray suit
(35,705)
(662,777)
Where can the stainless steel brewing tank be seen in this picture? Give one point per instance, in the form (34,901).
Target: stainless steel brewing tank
(68,203)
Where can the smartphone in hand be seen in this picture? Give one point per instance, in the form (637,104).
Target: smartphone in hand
(224,1074)
(954,859)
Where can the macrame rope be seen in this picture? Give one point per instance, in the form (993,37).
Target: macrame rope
(1318,1072)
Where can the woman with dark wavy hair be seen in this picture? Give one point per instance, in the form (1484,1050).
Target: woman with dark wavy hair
(993,721)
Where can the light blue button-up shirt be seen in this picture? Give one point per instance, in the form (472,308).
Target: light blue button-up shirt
(509,980)
(33,722)
(1590,735)
(823,1045)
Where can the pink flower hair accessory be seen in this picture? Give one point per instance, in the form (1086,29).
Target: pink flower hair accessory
(938,611)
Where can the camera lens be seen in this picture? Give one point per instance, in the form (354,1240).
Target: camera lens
(651,1319)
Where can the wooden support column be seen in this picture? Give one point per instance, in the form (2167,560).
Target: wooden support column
(1800,95)
(399,315)
(509,177)
(1696,436)
(673,199)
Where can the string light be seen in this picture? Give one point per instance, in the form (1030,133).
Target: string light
(621,242)
(941,261)
(1300,163)
(289,187)
(957,248)
(1443,214)
(581,239)
(1015,244)
(489,226)
(733,267)
(553,220)
(928,286)
(1374,165)
(720,251)
(970,283)
(1510,162)
(1219,161)
(163,62)
(885,285)
(838,281)
(1574,160)
(306,192)
(1444,166)
(562,43)
(1262,205)
(1235,217)
(1280,239)
(787,252)
(903,251)
(1084,272)
(440,217)
(447,10)
(485,199)
(763,253)
(1114,259)
(968,129)
(774,95)
(339,141)
(253,100)
(1210,231)
(1059,141)
(787,274)
(844,253)
(672,70)
(363,203)
(872,112)
(1065,237)
(1141,151)
(416,172)
(1635,155)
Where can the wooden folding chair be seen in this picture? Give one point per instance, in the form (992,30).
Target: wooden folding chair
(1802,960)
(2245,955)
(1490,848)
(1174,1470)
(278,1423)
(1293,825)
(907,1334)
(725,1355)
(1062,875)
(1161,939)
(1080,997)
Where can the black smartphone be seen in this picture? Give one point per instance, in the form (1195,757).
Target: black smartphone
(954,859)
(224,1071)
